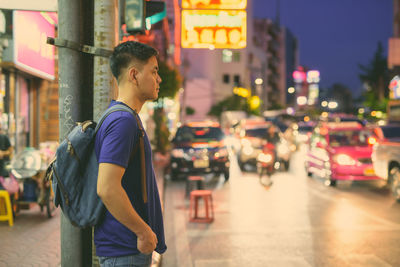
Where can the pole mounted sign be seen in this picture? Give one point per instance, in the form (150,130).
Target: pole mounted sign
(140,15)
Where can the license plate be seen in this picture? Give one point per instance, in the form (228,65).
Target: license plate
(200,163)
(369,172)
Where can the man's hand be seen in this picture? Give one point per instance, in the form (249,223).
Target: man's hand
(147,241)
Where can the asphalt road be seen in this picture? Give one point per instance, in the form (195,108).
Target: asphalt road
(298,221)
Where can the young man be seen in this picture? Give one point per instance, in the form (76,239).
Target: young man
(132,227)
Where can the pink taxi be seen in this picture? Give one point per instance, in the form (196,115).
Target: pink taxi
(340,151)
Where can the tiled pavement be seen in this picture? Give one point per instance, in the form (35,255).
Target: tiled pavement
(34,240)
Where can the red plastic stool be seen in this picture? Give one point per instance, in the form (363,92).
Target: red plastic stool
(194,182)
(195,196)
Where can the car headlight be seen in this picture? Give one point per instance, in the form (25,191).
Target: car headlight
(264,157)
(223,152)
(282,149)
(343,159)
(248,150)
(178,153)
(245,142)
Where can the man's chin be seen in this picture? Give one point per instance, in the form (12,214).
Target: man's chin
(155,97)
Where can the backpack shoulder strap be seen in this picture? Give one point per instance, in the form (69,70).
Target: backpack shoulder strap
(116,107)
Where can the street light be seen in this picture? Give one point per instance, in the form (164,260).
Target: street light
(332,104)
(324,103)
(259,81)
(301,100)
(291,90)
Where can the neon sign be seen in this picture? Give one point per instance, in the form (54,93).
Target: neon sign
(214,4)
(213,29)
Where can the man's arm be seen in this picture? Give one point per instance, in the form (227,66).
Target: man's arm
(116,200)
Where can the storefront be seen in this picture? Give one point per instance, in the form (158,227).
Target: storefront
(28,88)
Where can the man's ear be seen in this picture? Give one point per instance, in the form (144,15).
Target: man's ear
(132,73)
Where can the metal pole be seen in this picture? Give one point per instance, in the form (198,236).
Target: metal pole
(105,36)
(75,104)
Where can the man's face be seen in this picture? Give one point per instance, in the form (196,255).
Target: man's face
(149,80)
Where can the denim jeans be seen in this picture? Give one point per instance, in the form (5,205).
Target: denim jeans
(138,260)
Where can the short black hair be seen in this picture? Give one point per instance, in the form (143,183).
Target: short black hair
(129,51)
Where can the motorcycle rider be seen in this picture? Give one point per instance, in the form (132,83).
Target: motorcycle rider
(272,135)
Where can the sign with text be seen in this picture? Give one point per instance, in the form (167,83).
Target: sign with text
(213,29)
(214,4)
(31,52)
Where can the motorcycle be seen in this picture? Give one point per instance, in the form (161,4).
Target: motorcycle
(267,163)
(28,168)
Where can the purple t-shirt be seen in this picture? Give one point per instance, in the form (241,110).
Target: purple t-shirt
(115,140)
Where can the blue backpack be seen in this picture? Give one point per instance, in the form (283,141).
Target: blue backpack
(74,171)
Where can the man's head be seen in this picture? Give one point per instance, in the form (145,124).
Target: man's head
(130,54)
(271,129)
(135,64)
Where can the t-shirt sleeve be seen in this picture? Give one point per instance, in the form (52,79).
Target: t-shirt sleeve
(119,138)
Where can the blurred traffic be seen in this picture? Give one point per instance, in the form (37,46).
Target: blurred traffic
(336,147)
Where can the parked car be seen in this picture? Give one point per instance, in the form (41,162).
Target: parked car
(341,151)
(386,156)
(388,132)
(199,148)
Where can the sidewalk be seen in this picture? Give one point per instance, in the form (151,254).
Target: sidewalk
(34,240)
(159,163)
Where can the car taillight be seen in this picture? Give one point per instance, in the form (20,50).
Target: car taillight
(371,140)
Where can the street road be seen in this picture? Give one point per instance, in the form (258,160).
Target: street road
(298,221)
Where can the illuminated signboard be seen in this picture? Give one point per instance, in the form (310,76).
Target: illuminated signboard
(31,52)
(299,76)
(394,87)
(213,29)
(214,4)
(313,76)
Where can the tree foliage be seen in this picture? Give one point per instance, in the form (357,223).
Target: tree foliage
(171,80)
(161,131)
(342,94)
(233,102)
(375,76)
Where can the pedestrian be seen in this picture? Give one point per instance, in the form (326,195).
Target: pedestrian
(132,227)
(6,151)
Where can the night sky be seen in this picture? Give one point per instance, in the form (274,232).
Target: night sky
(334,35)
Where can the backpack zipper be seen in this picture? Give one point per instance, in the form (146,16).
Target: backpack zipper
(61,186)
(71,151)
